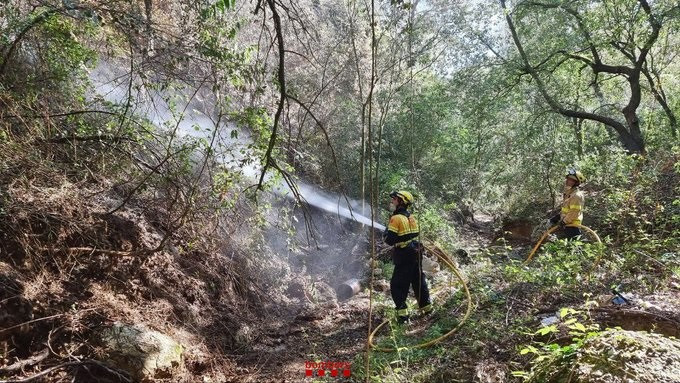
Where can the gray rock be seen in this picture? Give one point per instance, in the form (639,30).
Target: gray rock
(244,336)
(381,285)
(616,356)
(145,354)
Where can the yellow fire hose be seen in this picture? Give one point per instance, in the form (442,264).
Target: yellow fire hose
(447,261)
(552,229)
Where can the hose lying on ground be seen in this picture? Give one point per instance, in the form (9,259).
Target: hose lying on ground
(447,261)
(552,229)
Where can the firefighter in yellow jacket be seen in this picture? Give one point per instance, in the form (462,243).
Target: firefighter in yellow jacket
(402,232)
(571,213)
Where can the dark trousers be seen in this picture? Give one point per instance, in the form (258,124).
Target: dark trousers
(408,273)
(568,233)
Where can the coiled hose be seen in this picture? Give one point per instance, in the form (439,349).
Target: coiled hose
(552,229)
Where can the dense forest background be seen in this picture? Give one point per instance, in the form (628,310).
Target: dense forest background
(141,141)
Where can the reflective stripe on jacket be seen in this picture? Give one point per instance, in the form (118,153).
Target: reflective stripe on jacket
(572,207)
(402,229)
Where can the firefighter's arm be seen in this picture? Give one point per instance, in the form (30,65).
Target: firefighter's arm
(555,219)
(575,207)
(392,232)
(391,237)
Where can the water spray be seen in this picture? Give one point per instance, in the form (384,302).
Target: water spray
(196,122)
(314,197)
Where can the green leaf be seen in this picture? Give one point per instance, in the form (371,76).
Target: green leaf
(567,311)
(578,326)
(541,358)
(529,349)
(223,5)
(519,374)
(547,330)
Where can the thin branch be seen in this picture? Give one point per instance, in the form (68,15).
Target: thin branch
(143,181)
(301,55)
(282,90)
(21,364)
(29,322)
(120,375)
(93,250)
(328,142)
(59,140)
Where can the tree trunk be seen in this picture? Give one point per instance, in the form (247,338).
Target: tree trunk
(660,96)
(362,149)
(148,7)
(629,134)
(634,141)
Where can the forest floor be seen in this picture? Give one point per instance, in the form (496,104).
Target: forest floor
(337,332)
(267,322)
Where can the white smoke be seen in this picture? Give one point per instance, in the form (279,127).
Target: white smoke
(195,118)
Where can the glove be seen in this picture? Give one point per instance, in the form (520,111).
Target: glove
(555,219)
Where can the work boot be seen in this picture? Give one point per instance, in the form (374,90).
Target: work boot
(402,315)
(425,310)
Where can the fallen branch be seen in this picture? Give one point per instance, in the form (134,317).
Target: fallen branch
(62,114)
(59,140)
(121,376)
(21,364)
(29,322)
(653,259)
(95,250)
(658,317)
(38,320)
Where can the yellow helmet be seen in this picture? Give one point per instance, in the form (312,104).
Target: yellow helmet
(576,176)
(405,196)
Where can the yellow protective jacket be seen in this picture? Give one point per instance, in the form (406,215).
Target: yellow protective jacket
(572,207)
(402,229)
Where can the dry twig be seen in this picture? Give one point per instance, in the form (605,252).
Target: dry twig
(121,376)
